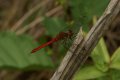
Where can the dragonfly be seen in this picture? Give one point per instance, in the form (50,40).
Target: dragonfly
(61,36)
(66,36)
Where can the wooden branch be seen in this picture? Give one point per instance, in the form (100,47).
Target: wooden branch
(78,54)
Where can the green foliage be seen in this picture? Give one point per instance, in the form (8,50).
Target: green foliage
(89,72)
(104,67)
(15,53)
(115,60)
(112,74)
(101,56)
(54,25)
(84,10)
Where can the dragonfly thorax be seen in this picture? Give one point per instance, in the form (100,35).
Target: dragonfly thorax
(63,35)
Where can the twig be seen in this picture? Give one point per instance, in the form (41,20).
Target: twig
(72,61)
(12,14)
(27,15)
(38,20)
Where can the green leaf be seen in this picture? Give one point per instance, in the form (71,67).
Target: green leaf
(100,56)
(115,60)
(84,10)
(89,72)
(111,75)
(54,25)
(15,53)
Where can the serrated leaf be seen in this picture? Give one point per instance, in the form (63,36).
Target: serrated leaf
(115,60)
(15,52)
(89,72)
(100,56)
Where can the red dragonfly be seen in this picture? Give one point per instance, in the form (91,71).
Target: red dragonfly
(61,36)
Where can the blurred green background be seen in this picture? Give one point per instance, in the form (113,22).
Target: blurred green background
(26,24)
